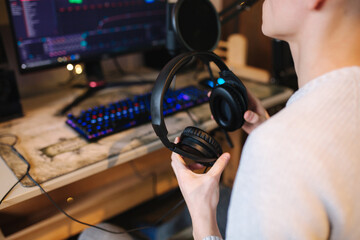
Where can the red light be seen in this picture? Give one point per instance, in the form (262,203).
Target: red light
(92,84)
(95,84)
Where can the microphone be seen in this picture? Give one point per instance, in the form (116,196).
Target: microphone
(195,25)
(239,5)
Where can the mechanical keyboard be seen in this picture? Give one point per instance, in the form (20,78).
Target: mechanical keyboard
(101,121)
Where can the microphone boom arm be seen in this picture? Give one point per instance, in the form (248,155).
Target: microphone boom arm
(239,5)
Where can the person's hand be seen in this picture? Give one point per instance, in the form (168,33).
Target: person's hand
(255,115)
(201,192)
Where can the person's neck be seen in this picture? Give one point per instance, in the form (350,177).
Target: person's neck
(322,53)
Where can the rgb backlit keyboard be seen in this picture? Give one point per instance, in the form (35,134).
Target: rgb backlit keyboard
(101,121)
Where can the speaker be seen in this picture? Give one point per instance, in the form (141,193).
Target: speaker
(228,103)
(10,106)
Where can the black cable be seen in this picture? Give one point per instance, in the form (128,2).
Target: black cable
(65,213)
(7,193)
(175,207)
(100,228)
(191,117)
(207,64)
(9,135)
(141,176)
(228,139)
(118,67)
(27,170)
(169,212)
(76,220)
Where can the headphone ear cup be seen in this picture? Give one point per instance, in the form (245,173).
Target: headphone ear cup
(240,89)
(228,103)
(199,143)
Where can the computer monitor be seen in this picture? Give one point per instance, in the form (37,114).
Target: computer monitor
(49,33)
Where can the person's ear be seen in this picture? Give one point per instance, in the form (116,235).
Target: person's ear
(315,4)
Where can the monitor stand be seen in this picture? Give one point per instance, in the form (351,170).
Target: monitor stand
(95,82)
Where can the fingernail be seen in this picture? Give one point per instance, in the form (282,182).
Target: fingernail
(247,115)
(226,156)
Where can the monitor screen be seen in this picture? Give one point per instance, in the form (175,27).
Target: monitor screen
(56,32)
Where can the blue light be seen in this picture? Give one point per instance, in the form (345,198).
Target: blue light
(211,84)
(184,96)
(83,43)
(220,81)
(149,1)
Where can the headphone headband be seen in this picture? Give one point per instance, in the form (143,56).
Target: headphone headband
(162,84)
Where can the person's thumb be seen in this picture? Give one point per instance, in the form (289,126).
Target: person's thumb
(251,117)
(220,164)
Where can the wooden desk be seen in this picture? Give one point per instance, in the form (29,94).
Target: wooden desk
(95,192)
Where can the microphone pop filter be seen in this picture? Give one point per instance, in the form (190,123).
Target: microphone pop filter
(197,24)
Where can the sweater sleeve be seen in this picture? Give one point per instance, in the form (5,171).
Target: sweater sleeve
(212,238)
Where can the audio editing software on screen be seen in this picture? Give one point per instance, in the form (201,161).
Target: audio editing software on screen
(55,31)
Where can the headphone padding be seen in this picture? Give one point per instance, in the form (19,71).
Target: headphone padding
(239,87)
(237,106)
(211,143)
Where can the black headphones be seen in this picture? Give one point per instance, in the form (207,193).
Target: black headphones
(228,103)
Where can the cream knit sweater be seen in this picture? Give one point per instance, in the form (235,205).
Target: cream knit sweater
(299,174)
